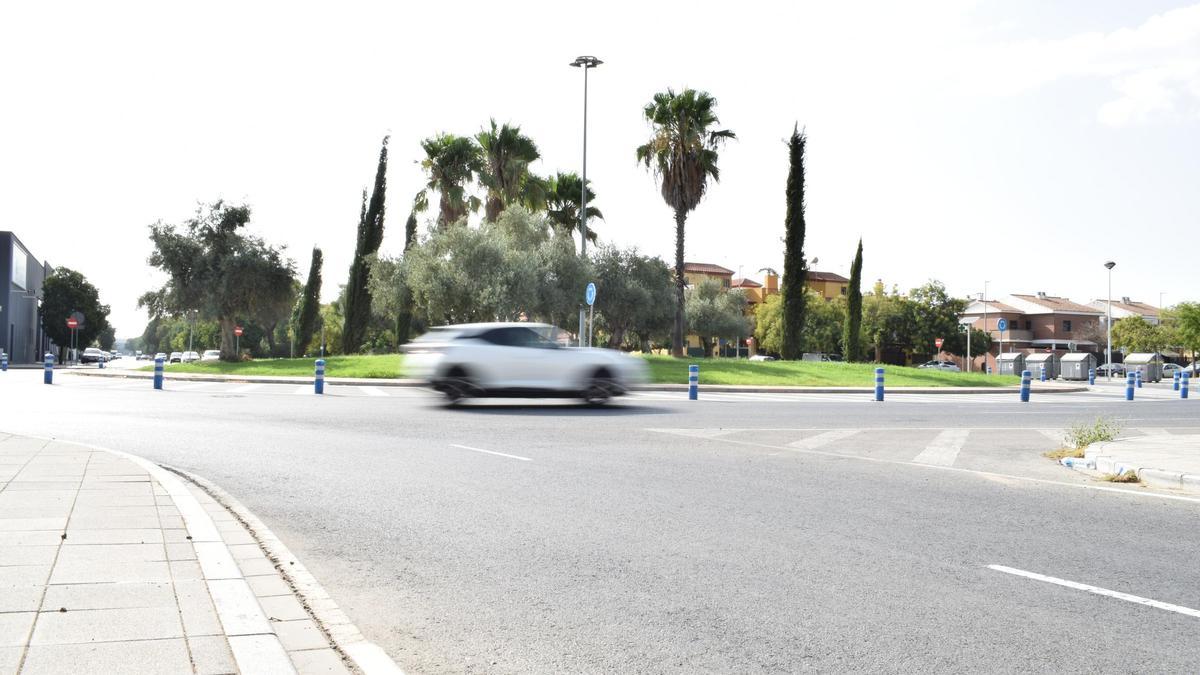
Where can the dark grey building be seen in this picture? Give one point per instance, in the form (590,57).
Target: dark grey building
(21,278)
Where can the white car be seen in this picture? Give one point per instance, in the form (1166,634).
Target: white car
(762,357)
(519,360)
(189,357)
(211,355)
(948,366)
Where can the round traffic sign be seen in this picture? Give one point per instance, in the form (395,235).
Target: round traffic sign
(590,294)
(72,323)
(1002,324)
(237,330)
(938,342)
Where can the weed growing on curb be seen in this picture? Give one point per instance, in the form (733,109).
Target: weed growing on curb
(1079,436)
(1129,476)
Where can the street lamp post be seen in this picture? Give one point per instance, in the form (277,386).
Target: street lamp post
(586,63)
(1108,351)
(985,327)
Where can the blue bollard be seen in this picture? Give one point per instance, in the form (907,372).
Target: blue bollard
(693,382)
(48,375)
(989,370)
(1042,373)
(1091,376)
(1177,378)
(319,381)
(1026,383)
(879,384)
(1129,386)
(3,363)
(158,373)
(100,363)
(1137,377)
(1183,391)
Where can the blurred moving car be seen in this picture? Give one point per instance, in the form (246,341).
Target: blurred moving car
(176,357)
(529,360)
(1117,369)
(948,366)
(93,355)
(189,357)
(211,355)
(160,355)
(762,357)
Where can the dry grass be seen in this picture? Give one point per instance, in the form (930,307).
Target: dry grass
(1129,476)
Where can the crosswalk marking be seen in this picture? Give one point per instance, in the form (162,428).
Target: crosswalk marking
(303,390)
(244,388)
(1056,436)
(1153,431)
(822,439)
(945,448)
(372,391)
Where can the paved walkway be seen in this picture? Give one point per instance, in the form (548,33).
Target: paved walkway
(1160,459)
(110,564)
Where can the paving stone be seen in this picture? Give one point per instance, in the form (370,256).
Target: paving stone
(145,657)
(93,572)
(10,657)
(22,524)
(27,555)
(91,521)
(257,567)
(196,608)
(14,628)
(268,585)
(283,608)
(246,551)
(107,625)
(109,596)
(211,655)
(39,485)
(23,575)
(300,634)
(21,599)
(31,537)
(181,551)
(318,662)
(184,570)
(111,553)
(259,653)
(137,536)
(174,535)
(237,537)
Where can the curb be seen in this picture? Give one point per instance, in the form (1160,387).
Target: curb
(1154,477)
(717,388)
(366,656)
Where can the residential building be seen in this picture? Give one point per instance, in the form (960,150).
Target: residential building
(21,279)
(1125,308)
(827,284)
(1037,322)
(694,273)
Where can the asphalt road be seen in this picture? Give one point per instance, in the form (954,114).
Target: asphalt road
(732,534)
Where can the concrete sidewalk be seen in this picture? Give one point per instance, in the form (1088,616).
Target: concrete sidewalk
(1160,460)
(111,564)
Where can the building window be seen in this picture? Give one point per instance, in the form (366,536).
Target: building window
(1028,324)
(1066,326)
(843,290)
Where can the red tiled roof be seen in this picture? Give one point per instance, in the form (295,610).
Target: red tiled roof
(1138,308)
(996,307)
(825,276)
(745,283)
(1052,303)
(706,268)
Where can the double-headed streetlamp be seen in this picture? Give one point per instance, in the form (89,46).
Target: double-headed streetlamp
(586,63)
(1108,351)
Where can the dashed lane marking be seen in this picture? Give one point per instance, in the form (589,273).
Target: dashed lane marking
(1137,599)
(945,448)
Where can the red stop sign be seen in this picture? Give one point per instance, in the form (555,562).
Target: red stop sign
(237,330)
(938,342)
(72,323)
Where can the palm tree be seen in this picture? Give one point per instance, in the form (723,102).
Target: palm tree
(563,199)
(682,153)
(451,163)
(507,154)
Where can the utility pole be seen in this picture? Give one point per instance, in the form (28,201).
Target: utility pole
(1108,352)
(985,328)
(586,63)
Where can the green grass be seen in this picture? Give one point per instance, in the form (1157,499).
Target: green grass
(358,365)
(663,369)
(813,373)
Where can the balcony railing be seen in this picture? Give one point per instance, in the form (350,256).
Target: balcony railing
(1013,335)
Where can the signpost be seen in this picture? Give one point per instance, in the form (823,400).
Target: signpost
(74,322)
(589,296)
(237,341)
(938,342)
(1002,325)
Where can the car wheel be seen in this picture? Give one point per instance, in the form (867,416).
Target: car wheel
(599,389)
(458,385)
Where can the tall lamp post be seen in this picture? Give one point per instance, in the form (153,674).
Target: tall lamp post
(983,299)
(586,63)
(1108,351)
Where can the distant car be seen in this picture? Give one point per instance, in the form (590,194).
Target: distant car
(160,355)
(211,355)
(762,357)
(1117,369)
(948,366)
(189,357)
(527,360)
(176,357)
(93,355)
(1169,370)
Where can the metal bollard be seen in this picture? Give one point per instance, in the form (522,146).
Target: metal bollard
(100,363)
(319,381)
(1042,373)
(3,363)
(48,376)
(879,384)
(1026,383)
(158,373)
(1176,378)
(989,370)
(1091,376)
(693,382)
(1137,377)
(1183,391)
(1129,386)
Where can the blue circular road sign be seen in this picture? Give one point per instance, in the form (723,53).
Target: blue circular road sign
(590,294)
(1002,324)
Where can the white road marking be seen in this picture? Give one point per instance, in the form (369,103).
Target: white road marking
(303,390)
(822,439)
(372,391)
(1153,431)
(944,449)
(245,388)
(1178,609)
(1056,436)
(490,452)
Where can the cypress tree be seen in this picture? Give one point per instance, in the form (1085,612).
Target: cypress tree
(370,236)
(404,320)
(794,265)
(309,308)
(852,331)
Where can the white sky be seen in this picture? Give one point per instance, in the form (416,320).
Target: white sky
(1019,142)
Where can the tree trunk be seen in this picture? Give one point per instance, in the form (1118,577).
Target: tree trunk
(493,209)
(680,281)
(228,351)
(708,347)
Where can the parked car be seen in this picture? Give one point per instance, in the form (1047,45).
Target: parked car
(762,357)
(519,360)
(1118,369)
(1169,370)
(93,355)
(189,357)
(948,366)
(160,355)
(211,355)
(114,355)
(176,357)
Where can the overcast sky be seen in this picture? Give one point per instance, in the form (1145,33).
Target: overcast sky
(1022,142)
